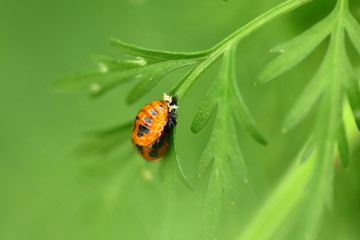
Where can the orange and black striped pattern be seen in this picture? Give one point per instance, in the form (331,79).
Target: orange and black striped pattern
(151,127)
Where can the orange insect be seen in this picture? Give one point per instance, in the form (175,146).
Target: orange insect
(152,124)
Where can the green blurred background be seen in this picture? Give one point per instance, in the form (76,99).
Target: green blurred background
(50,190)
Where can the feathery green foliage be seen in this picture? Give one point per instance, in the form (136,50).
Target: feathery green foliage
(333,81)
(219,179)
(307,187)
(288,197)
(148,66)
(223,148)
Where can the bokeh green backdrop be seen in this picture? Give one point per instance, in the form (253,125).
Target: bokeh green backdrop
(46,190)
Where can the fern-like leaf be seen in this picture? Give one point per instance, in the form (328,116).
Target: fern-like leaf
(332,82)
(295,50)
(222,152)
(343,146)
(146,68)
(176,163)
(353,29)
(153,56)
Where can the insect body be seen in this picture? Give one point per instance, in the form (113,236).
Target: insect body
(151,127)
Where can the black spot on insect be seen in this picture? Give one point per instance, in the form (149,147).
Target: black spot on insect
(161,107)
(153,112)
(142,129)
(151,146)
(139,134)
(139,147)
(158,143)
(154,153)
(147,120)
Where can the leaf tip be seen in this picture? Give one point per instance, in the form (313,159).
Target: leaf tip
(132,97)
(257,136)
(195,128)
(116,43)
(262,140)
(262,78)
(357,118)
(113,39)
(94,88)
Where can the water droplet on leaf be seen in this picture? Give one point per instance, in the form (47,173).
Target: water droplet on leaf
(103,68)
(94,87)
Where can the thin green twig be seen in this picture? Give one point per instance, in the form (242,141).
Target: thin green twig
(233,39)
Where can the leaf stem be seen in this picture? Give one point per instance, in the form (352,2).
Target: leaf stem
(221,47)
(258,22)
(342,5)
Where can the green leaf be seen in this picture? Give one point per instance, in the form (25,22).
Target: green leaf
(112,79)
(214,95)
(109,64)
(203,115)
(184,179)
(243,116)
(343,147)
(181,88)
(239,108)
(295,50)
(222,148)
(284,202)
(235,155)
(208,155)
(213,202)
(277,11)
(353,29)
(153,56)
(77,81)
(320,187)
(94,81)
(353,94)
(118,73)
(231,41)
(149,79)
(212,98)
(206,109)
(330,71)
(307,99)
